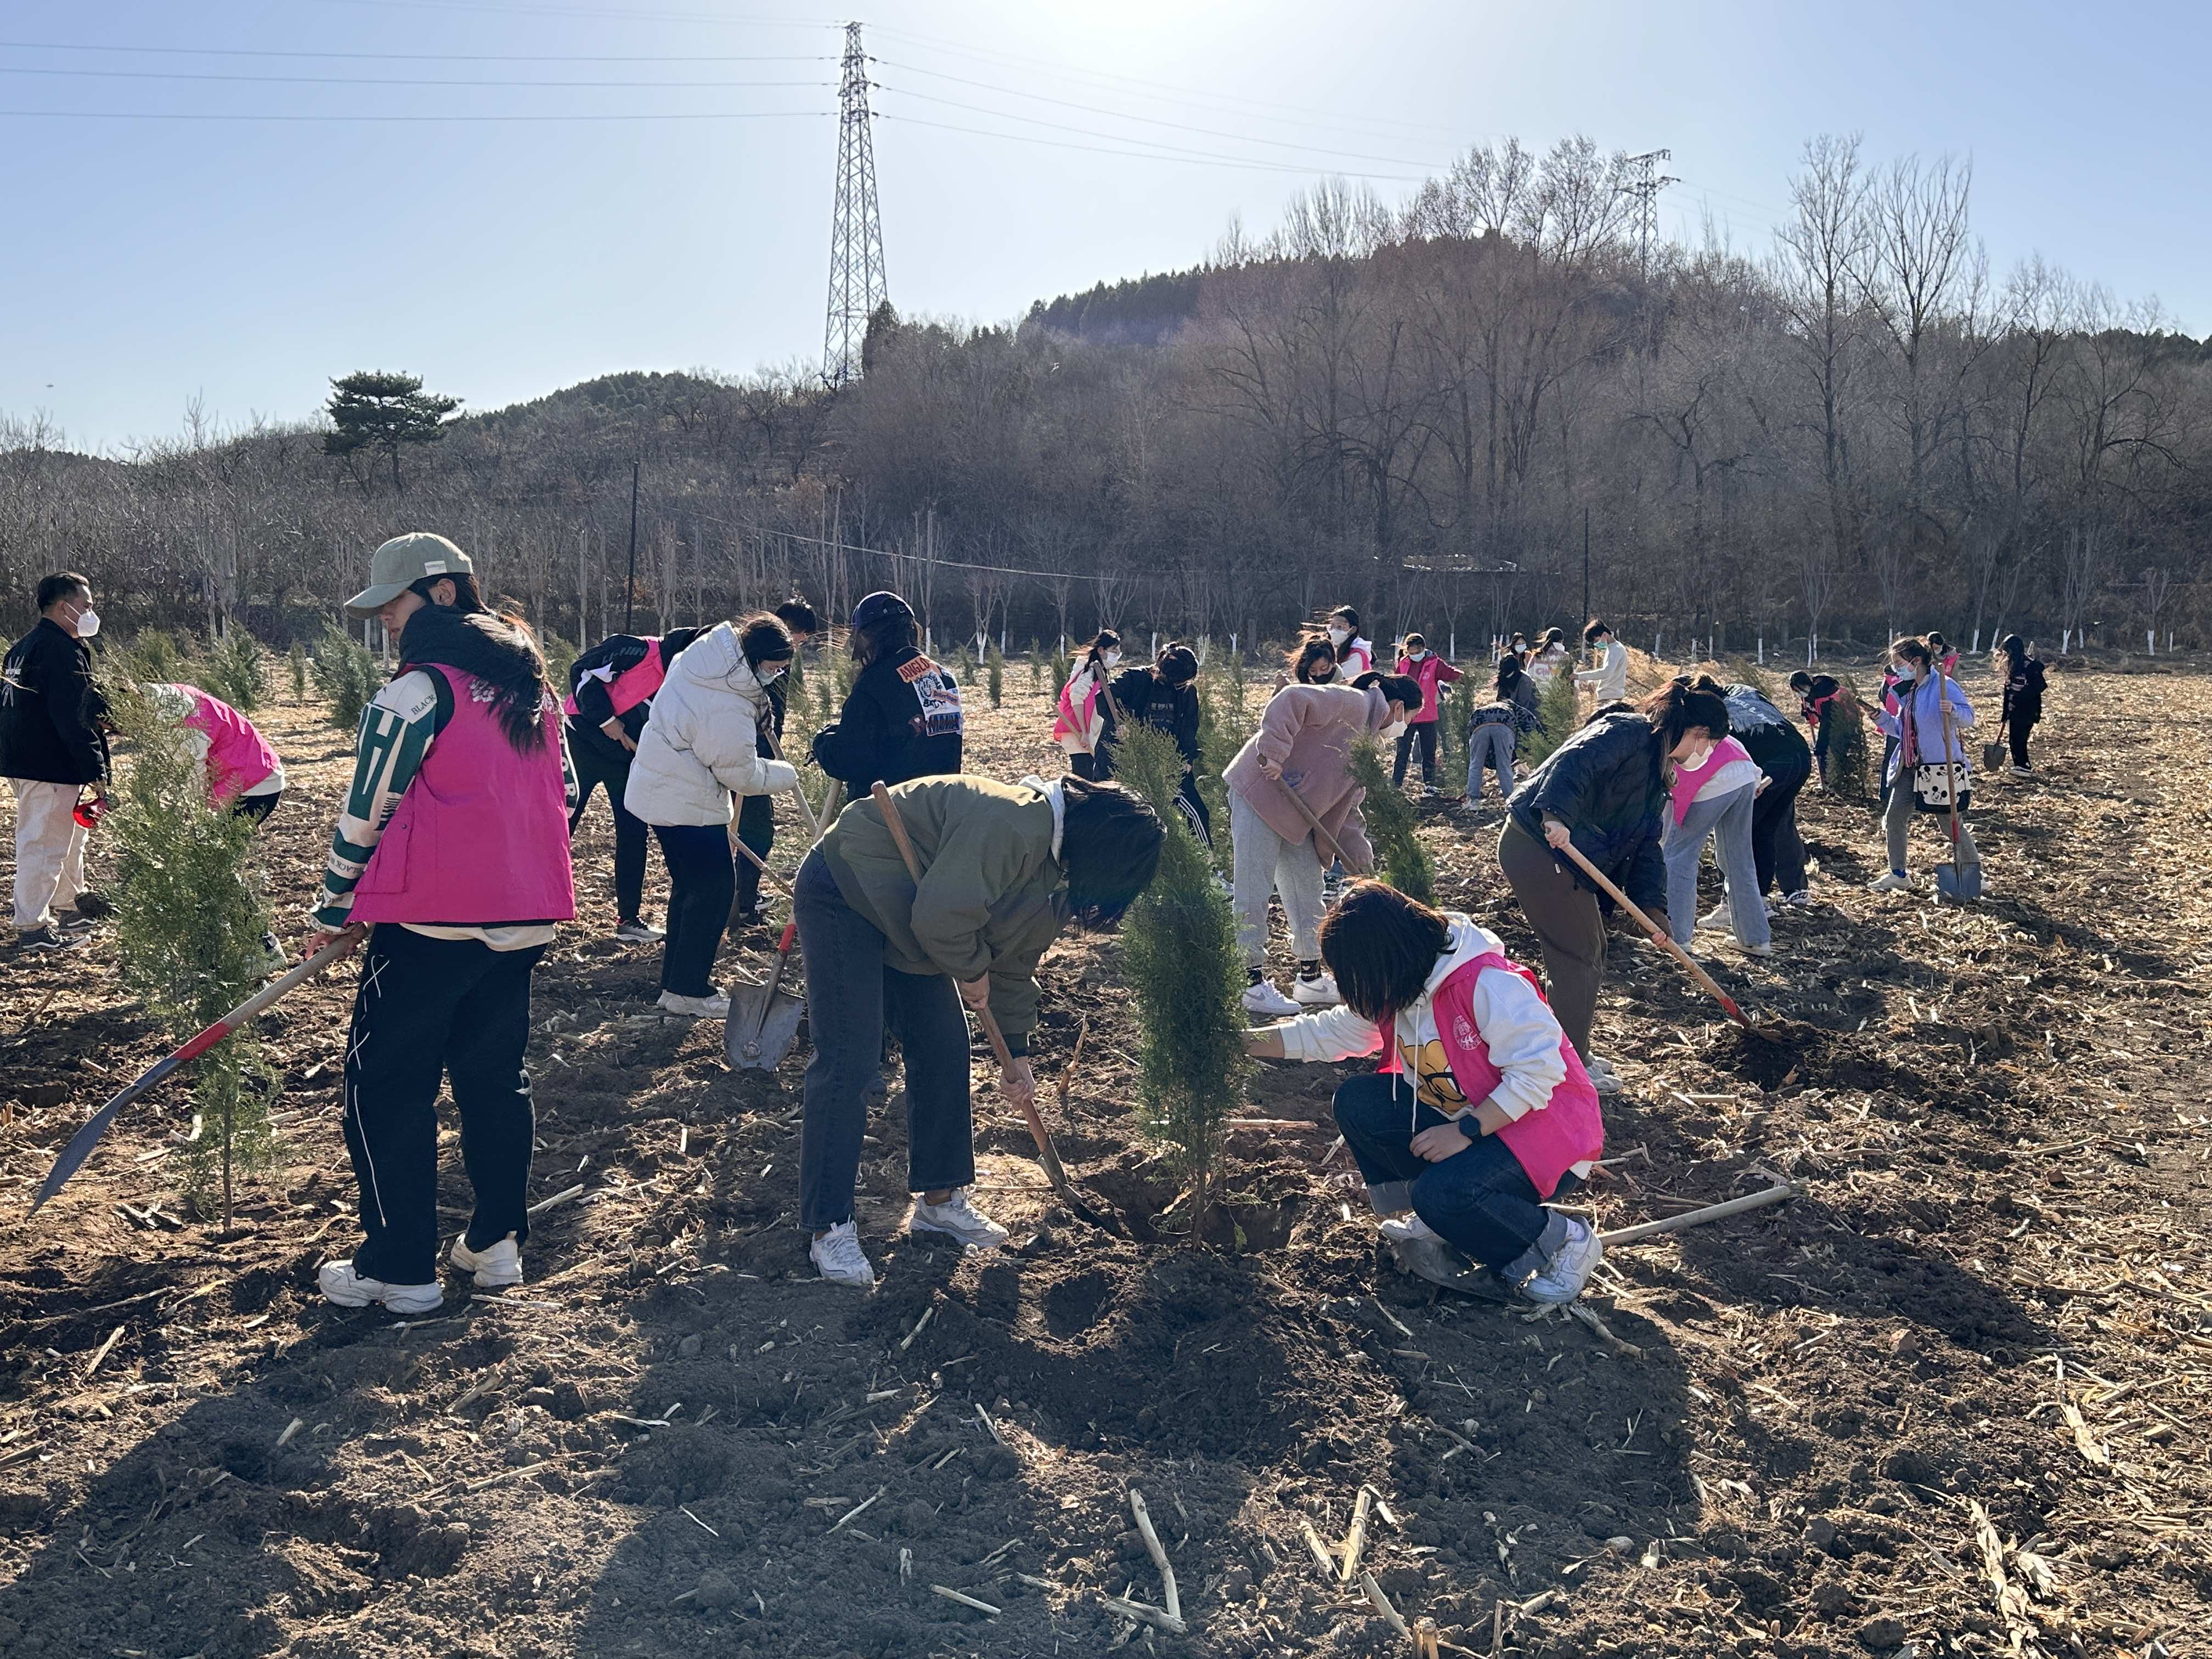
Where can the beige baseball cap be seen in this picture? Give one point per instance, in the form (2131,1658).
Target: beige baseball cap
(400,564)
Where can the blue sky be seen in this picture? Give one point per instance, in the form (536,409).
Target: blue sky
(151,261)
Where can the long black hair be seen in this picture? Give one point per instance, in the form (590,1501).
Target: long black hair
(1110,845)
(499,651)
(1509,672)
(1309,652)
(1108,640)
(2016,649)
(1684,703)
(762,639)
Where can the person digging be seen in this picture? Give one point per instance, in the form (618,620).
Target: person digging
(1483,1111)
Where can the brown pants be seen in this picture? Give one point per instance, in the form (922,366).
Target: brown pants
(1569,928)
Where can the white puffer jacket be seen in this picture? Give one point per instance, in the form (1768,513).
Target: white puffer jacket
(702,742)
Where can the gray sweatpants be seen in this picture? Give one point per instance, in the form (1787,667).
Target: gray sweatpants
(1266,863)
(1897,815)
(1727,820)
(1490,745)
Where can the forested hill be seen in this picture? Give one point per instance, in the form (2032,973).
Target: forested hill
(1147,310)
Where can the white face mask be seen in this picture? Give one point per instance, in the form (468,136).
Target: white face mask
(1696,758)
(1111,658)
(1395,730)
(1339,635)
(87,623)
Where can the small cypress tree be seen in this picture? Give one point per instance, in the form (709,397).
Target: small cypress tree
(1179,948)
(1851,757)
(190,919)
(347,673)
(1459,718)
(234,670)
(1036,668)
(995,666)
(1557,717)
(1223,727)
(1393,827)
(297,661)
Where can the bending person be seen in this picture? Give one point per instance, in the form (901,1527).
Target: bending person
(1083,724)
(1713,783)
(1785,767)
(1166,696)
(1002,866)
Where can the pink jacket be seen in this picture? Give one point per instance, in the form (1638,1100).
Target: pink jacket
(1308,732)
(238,756)
(480,838)
(1431,671)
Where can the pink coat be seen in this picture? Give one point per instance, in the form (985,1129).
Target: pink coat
(1308,732)
(1431,671)
(480,838)
(238,756)
(1568,1130)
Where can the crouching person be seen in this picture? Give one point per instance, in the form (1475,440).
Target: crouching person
(1482,1110)
(1003,867)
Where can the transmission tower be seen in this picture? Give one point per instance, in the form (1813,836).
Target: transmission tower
(856,230)
(1645,182)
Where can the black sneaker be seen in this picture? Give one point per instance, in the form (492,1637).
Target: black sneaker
(48,938)
(70,922)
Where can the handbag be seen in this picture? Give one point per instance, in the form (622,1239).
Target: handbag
(1931,788)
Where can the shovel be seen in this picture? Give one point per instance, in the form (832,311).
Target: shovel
(1704,980)
(763,1019)
(82,1143)
(1324,843)
(1048,1154)
(1993,754)
(1955,881)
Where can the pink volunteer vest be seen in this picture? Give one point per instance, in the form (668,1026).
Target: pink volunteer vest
(239,756)
(633,684)
(1548,1143)
(480,838)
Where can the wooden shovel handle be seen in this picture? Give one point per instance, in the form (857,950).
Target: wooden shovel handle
(1704,979)
(798,794)
(757,860)
(1323,841)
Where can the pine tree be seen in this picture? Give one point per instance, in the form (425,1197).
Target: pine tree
(297,661)
(234,670)
(347,675)
(1851,757)
(1180,950)
(1557,717)
(1036,668)
(995,666)
(375,410)
(190,918)
(1459,720)
(559,655)
(1393,827)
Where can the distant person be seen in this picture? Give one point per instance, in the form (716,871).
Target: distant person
(1165,696)
(1927,700)
(1312,661)
(757,813)
(1824,702)
(1517,686)
(1947,656)
(903,718)
(1497,728)
(1432,673)
(1084,723)
(53,751)
(244,776)
(611,689)
(2023,700)
(452,846)
(1550,657)
(1785,766)
(701,748)
(1607,680)
(1518,645)
(1354,655)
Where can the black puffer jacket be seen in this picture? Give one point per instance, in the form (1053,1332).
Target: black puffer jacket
(52,716)
(902,719)
(1144,696)
(1606,784)
(1775,746)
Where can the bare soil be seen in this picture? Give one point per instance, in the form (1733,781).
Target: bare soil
(1951,1400)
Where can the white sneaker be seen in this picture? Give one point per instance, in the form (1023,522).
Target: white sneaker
(1570,1270)
(1265,998)
(716,1006)
(341,1284)
(2021,771)
(1319,992)
(1715,917)
(957,1217)
(1801,898)
(1890,882)
(1757,949)
(1602,1077)
(838,1256)
(497,1266)
(639,933)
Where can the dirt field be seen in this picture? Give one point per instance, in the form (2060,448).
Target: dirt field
(1950,1401)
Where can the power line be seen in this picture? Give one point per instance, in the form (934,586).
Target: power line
(419,57)
(595,13)
(165,115)
(1198,158)
(1123,115)
(377,81)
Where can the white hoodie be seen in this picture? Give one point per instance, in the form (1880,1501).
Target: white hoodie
(702,741)
(1515,1023)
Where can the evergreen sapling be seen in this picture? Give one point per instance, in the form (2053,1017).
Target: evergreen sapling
(995,666)
(1179,951)
(347,674)
(1557,716)
(1393,827)
(234,670)
(297,662)
(190,923)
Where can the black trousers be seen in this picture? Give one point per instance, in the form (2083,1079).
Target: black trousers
(1776,851)
(701,884)
(2017,733)
(1425,733)
(1192,806)
(255,809)
(1093,768)
(757,829)
(594,767)
(428,1009)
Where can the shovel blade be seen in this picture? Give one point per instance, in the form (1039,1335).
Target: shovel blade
(1958,882)
(759,1033)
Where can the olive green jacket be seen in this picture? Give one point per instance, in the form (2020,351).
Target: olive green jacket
(989,883)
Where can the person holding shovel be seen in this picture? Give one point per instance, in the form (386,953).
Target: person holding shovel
(1714,783)
(903,718)
(1601,792)
(1482,1112)
(757,813)
(2024,685)
(1303,745)
(701,748)
(1004,867)
(1928,759)
(451,846)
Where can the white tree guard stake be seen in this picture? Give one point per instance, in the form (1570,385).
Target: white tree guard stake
(82,1143)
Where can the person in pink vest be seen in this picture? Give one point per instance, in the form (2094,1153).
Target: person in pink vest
(1083,721)
(1482,1112)
(451,850)
(1432,673)
(243,772)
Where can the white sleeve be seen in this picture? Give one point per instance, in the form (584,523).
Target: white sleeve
(1334,1034)
(1523,1037)
(726,737)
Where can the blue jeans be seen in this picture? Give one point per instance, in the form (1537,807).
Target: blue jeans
(1727,820)
(1480,1200)
(851,994)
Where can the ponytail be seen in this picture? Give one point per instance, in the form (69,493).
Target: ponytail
(1686,703)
